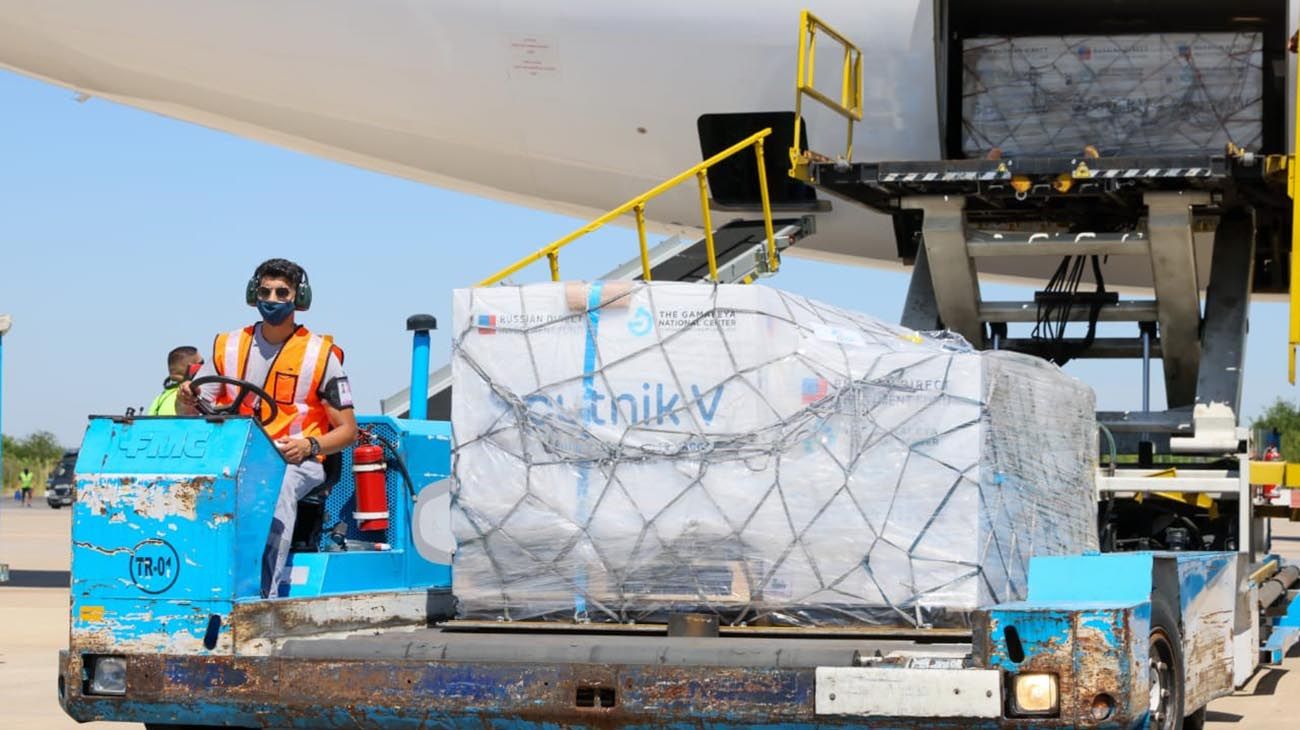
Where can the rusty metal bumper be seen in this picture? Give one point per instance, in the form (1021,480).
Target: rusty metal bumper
(427,679)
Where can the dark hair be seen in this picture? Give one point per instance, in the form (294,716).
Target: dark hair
(177,357)
(280,269)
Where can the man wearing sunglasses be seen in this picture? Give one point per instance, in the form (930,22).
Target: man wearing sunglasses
(303,372)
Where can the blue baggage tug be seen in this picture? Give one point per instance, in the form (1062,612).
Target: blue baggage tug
(168,626)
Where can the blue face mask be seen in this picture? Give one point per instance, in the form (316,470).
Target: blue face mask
(274,312)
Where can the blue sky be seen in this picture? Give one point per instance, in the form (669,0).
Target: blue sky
(123,234)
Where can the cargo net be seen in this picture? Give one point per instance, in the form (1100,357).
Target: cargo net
(626,451)
(1123,95)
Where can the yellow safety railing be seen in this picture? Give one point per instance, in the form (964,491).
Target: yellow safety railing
(637,205)
(850,104)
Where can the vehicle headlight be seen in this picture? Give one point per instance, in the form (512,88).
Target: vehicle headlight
(108,676)
(1034,694)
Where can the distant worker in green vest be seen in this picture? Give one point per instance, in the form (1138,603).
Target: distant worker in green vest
(25,484)
(179,363)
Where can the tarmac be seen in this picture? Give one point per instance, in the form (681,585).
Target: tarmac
(34,626)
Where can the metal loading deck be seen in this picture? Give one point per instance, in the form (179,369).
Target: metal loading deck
(1085,209)
(1085,193)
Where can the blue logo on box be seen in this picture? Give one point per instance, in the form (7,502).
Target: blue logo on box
(640,323)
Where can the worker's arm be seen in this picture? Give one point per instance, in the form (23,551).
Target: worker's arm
(185,400)
(185,395)
(342,434)
(343,430)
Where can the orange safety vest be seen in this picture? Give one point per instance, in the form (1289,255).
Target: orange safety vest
(294,379)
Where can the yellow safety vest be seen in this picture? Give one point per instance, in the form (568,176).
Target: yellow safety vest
(165,403)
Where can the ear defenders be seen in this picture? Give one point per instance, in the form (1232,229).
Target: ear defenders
(301,300)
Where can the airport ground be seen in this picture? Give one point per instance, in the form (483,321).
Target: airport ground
(34,626)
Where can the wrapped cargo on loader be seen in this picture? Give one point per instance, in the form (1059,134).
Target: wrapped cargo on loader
(1126,95)
(628,450)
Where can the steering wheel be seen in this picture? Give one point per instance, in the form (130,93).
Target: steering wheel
(267,403)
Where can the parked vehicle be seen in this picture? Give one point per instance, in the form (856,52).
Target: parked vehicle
(58,488)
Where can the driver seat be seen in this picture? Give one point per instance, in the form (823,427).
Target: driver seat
(311,508)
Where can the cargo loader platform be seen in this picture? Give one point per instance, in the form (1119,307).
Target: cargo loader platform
(1085,209)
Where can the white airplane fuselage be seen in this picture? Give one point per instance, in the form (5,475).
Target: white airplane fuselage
(571,106)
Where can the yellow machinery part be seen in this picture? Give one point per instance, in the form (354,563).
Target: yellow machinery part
(1194,499)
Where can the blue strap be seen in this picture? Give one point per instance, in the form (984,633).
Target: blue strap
(588,408)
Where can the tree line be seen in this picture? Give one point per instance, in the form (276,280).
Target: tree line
(38,451)
(1284,417)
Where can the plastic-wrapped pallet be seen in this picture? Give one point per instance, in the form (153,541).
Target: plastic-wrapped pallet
(1145,94)
(629,450)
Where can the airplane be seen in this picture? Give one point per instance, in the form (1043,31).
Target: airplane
(571,107)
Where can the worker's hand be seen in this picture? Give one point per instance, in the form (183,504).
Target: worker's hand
(294,451)
(185,399)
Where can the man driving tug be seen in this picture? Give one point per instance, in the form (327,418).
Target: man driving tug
(292,381)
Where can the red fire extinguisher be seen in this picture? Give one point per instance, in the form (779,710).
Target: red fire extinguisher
(1270,490)
(371,475)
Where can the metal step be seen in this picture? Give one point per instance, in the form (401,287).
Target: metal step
(740,248)
(741,252)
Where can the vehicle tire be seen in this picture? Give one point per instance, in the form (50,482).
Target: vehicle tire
(1195,721)
(1165,668)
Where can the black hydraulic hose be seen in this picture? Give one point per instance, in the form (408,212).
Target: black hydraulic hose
(1095,310)
(395,460)
(1062,295)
